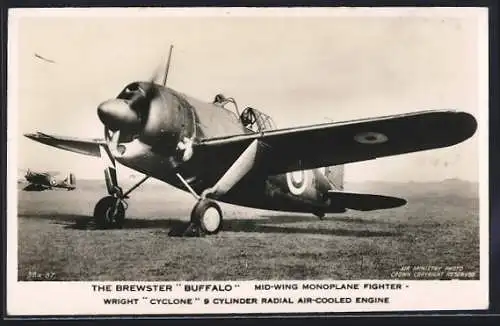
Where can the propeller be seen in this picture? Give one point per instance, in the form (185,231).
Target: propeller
(131,115)
(142,103)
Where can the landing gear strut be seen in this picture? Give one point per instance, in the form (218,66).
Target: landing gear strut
(206,215)
(109,212)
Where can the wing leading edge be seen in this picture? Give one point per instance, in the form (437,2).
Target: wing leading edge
(81,146)
(351,141)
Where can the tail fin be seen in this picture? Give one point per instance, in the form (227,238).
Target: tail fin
(70,179)
(335,174)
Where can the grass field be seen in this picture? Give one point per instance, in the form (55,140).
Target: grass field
(440,229)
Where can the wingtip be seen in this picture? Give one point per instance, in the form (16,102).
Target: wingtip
(36,135)
(465,125)
(391,202)
(30,135)
(398,202)
(454,126)
(469,121)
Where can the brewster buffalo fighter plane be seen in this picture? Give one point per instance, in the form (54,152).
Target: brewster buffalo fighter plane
(218,154)
(40,181)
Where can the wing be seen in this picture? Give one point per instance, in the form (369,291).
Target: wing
(363,202)
(35,187)
(346,142)
(82,146)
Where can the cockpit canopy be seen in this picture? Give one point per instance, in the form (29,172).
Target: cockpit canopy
(251,118)
(256,120)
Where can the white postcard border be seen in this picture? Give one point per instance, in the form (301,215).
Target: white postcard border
(78,298)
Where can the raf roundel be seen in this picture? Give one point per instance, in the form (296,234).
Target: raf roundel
(297,181)
(370,138)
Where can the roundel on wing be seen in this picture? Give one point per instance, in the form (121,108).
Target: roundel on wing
(297,181)
(370,138)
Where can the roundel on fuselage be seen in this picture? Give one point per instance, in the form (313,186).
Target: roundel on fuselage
(53,182)
(297,181)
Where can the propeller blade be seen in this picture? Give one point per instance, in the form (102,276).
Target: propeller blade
(168,66)
(113,144)
(142,104)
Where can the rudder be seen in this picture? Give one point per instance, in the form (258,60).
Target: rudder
(72,179)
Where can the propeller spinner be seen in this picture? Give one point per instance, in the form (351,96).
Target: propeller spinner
(117,114)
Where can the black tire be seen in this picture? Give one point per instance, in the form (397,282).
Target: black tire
(201,219)
(102,210)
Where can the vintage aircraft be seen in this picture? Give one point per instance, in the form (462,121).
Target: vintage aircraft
(40,181)
(218,154)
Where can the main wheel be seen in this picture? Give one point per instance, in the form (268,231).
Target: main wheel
(208,216)
(105,216)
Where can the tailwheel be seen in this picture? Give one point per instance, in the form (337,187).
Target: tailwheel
(208,216)
(321,215)
(109,212)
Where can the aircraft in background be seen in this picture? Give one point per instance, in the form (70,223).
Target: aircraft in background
(219,154)
(40,181)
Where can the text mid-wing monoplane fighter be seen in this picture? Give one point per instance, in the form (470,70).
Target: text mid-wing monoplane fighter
(218,154)
(39,181)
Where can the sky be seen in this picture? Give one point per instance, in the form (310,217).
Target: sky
(300,69)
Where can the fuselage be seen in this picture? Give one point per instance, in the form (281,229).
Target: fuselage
(174,119)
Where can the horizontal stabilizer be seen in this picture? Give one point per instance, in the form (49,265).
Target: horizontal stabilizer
(364,202)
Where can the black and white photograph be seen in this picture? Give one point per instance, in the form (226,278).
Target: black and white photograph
(250,160)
